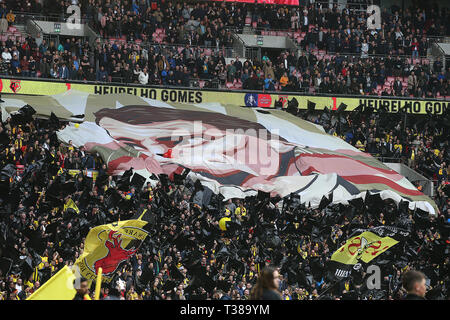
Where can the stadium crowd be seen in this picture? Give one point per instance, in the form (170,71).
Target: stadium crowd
(187,255)
(340,55)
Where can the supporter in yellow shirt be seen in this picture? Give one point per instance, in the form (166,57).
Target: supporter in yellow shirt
(240,212)
(284,80)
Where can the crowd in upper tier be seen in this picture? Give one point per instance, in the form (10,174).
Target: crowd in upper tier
(185,44)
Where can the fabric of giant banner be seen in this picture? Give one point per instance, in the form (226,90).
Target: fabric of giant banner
(231,150)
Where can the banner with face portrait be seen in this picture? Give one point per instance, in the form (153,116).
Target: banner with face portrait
(235,151)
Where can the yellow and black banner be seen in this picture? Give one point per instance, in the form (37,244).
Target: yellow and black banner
(225,98)
(364,246)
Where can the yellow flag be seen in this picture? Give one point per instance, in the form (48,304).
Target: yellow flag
(71,205)
(107,246)
(58,287)
(365,247)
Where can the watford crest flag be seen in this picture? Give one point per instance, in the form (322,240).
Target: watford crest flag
(108,246)
(364,246)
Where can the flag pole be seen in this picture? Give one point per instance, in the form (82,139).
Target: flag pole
(98,284)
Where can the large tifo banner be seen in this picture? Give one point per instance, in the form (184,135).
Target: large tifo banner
(234,151)
(225,98)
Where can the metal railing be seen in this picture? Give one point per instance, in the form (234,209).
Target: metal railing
(163,48)
(34,29)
